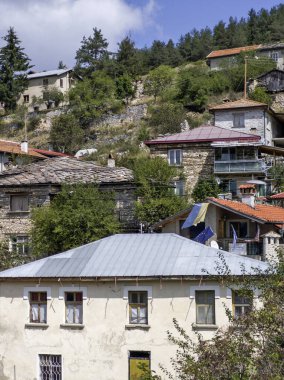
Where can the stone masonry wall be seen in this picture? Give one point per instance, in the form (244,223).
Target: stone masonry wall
(197,161)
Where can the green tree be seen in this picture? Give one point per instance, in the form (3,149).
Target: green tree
(277,174)
(61,65)
(260,95)
(174,57)
(78,215)
(127,57)
(14,64)
(124,87)
(158,80)
(12,258)
(184,47)
(92,98)
(157,200)
(205,188)
(66,135)
(52,95)
(92,53)
(157,54)
(166,118)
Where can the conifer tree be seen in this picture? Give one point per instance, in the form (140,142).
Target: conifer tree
(14,64)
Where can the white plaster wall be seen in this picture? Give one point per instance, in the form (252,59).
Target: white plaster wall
(100,350)
(254,122)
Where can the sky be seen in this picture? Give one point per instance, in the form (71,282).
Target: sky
(52,30)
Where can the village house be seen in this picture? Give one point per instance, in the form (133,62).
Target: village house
(259,227)
(275,51)
(35,184)
(60,79)
(102,309)
(231,155)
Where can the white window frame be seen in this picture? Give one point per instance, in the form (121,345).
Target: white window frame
(177,188)
(27,290)
(134,288)
(175,158)
(216,289)
(64,289)
(18,244)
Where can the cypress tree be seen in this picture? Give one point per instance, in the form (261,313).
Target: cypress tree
(14,64)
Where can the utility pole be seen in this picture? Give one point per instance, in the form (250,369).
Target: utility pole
(245,79)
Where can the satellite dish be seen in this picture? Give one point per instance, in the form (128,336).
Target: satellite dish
(214,244)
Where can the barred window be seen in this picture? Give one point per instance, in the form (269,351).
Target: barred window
(74,307)
(50,367)
(138,307)
(38,307)
(205,307)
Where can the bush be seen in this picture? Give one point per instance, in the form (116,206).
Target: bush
(260,95)
(205,188)
(166,118)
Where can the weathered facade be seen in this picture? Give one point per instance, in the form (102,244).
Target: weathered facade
(34,185)
(109,336)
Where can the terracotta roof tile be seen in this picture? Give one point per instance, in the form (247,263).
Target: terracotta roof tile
(241,103)
(247,186)
(15,148)
(266,213)
(51,153)
(205,133)
(277,196)
(233,51)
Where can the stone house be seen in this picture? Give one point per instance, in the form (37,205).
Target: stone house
(100,310)
(34,185)
(259,227)
(274,51)
(61,79)
(232,155)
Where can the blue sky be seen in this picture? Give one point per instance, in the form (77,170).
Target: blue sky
(52,30)
(171,18)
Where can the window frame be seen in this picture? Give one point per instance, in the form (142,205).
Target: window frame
(25,195)
(45,82)
(61,83)
(75,303)
(244,305)
(238,229)
(138,305)
(16,246)
(50,356)
(175,163)
(237,117)
(206,322)
(38,302)
(26,98)
(131,355)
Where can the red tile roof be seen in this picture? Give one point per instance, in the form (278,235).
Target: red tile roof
(277,196)
(15,148)
(51,153)
(265,213)
(233,51)
(241,103)
(205,133)
(247,186)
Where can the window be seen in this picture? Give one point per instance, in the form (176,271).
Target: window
(229,186)
(61,83)
(26,98)
(38,306)
(241,304)
(239,120)
(45,82)
(179,188)
(19,203)
(138,361)
(175,157)
(274,56)
(205,307)
(50,367)
(138,305)
(74,307)
(241,229)
(19,244)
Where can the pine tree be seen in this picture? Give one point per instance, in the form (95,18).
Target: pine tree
(14,64)
(92,53)
(127,57)
(61,65)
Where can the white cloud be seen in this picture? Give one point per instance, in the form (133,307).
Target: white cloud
(51,30)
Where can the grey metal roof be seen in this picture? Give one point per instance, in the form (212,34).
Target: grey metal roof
(135,255)
(64,170)
(48,73)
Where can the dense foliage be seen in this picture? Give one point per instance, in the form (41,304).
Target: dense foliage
(205,188)
(14,64)
(79,214)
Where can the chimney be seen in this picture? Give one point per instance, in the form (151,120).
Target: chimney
(111,161)
(248,194)
(24,146)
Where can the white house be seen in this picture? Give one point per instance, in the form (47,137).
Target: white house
(97,311)
(61,79)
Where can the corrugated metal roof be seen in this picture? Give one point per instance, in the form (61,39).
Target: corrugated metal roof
(48,73)
(205,133)
(135,255)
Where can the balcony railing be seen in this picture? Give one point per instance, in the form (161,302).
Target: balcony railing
(252,248)
(243,166)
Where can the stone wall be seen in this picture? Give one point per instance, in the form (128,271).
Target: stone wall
(132,114)
(197,161)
